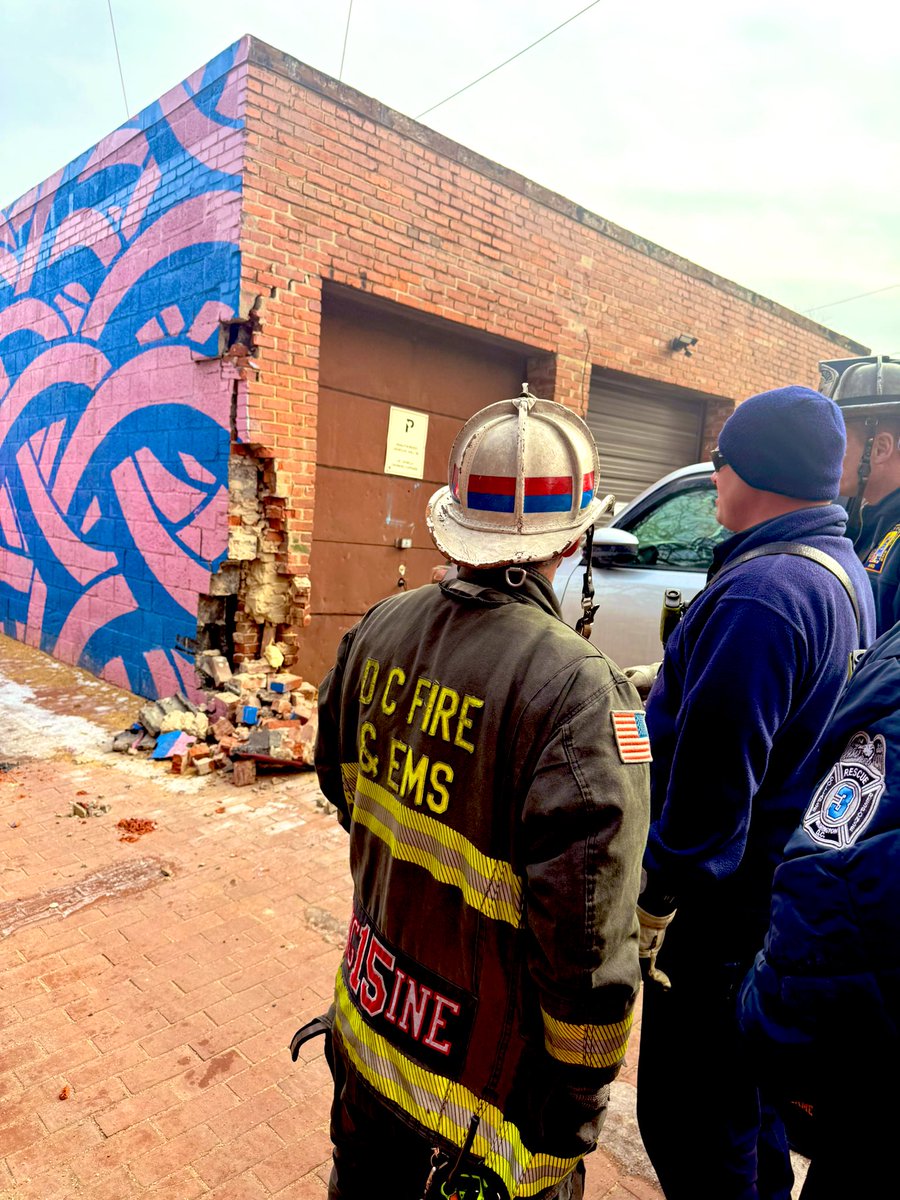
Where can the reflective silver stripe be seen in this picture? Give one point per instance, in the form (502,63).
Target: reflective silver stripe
(443,1106)
(487,884)
(587,1045)
(349,773)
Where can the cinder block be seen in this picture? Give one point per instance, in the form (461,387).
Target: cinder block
(258,742)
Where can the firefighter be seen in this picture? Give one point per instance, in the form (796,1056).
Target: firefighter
(490,767)
(820,1007)
(868,392)
(749,681)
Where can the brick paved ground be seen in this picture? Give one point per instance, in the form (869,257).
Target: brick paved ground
(166,1010)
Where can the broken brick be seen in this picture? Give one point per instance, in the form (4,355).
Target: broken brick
(285,682)
(216,667)
(244,772)
(303,708)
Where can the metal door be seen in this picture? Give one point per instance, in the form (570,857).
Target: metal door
(643,430)
(373,358)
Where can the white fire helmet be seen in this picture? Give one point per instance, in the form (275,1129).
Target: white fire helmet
(523,475)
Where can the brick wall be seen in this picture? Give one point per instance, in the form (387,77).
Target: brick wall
(115,409)
(338,187)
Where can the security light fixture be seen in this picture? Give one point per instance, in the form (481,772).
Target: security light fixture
(682,344)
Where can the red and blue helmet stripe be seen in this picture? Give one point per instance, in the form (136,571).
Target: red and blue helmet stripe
(543,493)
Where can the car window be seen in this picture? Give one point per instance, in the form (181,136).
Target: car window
(681,531)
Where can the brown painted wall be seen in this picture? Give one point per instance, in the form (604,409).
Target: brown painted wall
(340,188)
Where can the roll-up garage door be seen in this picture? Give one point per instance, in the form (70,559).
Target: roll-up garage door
(367,524)
(643,430)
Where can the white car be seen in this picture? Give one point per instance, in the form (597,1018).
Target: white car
(663,539)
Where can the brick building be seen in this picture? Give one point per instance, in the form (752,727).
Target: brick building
(208,319)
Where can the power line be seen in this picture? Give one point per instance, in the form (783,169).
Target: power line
(346,34)
(846,300)
(507,61)
(118,59)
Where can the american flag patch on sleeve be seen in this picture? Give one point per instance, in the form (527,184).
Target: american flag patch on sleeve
(632,736)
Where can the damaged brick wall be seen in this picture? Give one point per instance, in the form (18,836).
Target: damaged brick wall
(339,188)
(254,602)
(160,320)
(272,604)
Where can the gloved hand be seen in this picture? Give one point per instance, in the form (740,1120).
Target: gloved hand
(653,930)
(642,677)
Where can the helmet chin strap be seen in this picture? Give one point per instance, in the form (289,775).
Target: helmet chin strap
(854,508)
(585,623)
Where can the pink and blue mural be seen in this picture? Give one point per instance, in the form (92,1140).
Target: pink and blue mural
(115,409)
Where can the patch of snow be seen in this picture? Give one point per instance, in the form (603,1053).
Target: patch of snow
(26,728)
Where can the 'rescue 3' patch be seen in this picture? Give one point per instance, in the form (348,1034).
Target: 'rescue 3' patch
(846,799)
(632,736)
(879,556)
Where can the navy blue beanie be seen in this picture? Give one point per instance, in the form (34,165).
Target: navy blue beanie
(790,441)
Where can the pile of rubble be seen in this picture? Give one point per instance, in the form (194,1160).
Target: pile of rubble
(257,715)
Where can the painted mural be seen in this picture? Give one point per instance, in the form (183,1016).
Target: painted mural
(115,411)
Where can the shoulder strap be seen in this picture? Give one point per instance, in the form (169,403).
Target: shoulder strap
(801,551)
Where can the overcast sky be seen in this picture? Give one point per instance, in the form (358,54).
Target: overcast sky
(758,138)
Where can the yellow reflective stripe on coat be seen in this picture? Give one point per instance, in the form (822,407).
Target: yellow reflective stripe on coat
(444,1107)
(587,1045)
(487,884)
(349,773)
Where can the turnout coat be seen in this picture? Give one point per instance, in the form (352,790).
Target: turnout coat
(497,816)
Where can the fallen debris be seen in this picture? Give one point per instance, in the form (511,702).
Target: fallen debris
(88,808)
(134,828)
(260,714)
(172,744)
(244,772)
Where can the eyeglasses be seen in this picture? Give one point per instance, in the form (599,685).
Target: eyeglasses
(718,459)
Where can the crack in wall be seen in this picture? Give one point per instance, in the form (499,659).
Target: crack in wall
(254,600)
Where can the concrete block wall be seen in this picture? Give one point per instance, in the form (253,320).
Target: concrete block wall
(115,409)
(338,187)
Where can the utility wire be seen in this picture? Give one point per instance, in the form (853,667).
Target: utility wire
(118,59)
(846,300)
(346,34)
(507,61)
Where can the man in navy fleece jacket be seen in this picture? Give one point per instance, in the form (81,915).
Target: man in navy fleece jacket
(749,682)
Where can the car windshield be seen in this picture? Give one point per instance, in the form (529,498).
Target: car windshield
(680,531)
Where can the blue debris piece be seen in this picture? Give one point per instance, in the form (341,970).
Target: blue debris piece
(175,742)
(249,714)
(275,686)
